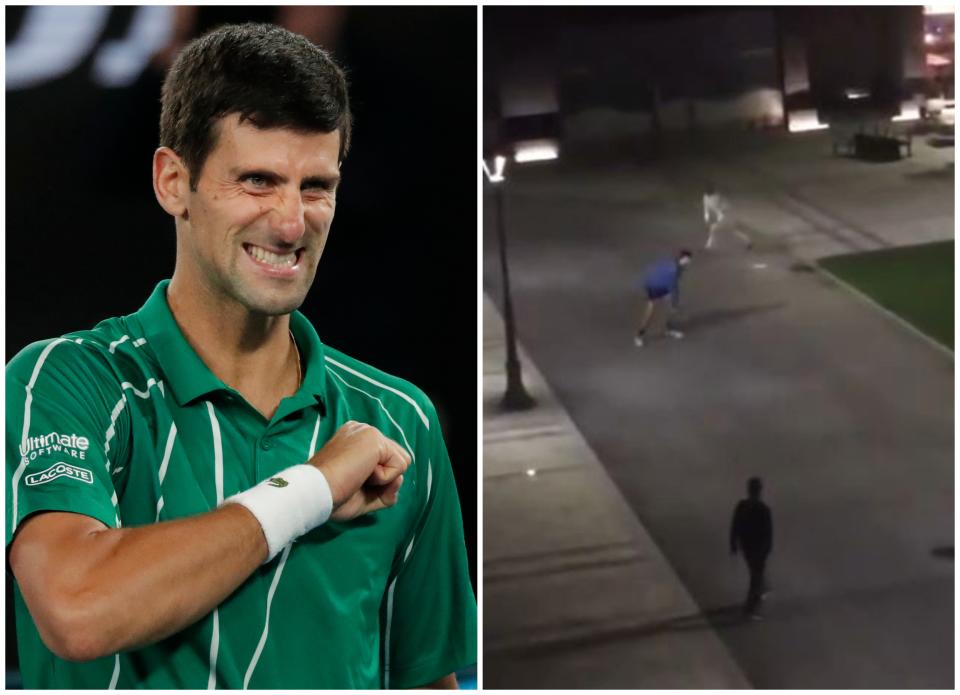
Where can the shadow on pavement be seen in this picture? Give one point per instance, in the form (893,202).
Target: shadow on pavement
(943,552)
(717,317)
(725,616)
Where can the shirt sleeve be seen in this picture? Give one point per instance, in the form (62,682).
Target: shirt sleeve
(432,609)
(63,424)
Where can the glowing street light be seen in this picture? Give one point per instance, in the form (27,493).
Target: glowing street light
(516,396)
(536,151)
(805,120)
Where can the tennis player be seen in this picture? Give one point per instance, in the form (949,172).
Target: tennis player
(715,208)
(202,494)
(660,281)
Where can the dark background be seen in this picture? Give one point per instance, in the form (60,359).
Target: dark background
(397,286)
(626,58)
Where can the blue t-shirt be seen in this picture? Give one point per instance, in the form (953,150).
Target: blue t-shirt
(662,276)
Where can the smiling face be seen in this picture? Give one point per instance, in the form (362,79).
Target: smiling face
(259,217)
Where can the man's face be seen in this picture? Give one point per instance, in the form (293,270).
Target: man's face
(260,216)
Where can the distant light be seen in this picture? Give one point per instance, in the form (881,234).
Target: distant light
(939,8)
(759,266)
(531,472)
(929,38)
(535,151)
(857,94)
(497,175)
(909,112)
(802,121)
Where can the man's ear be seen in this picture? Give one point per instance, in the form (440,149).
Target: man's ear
(171,182)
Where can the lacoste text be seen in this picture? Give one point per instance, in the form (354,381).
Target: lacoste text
(59,470)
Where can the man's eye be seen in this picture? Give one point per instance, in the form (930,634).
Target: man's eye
(255,180)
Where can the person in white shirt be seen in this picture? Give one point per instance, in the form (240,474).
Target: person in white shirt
(715,208)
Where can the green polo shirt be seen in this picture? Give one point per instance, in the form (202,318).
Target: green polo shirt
(125,423)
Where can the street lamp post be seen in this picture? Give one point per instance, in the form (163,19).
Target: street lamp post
(516,396)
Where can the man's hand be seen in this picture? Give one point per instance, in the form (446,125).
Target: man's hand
(363,468)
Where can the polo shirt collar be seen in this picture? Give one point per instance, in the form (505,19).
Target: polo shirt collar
(312,360)
(187,375)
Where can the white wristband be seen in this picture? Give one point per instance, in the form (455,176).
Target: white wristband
(288,504)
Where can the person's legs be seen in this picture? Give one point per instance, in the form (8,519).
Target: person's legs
(714,224)
(755,593)
(711,228)
(646,315)
(671,325)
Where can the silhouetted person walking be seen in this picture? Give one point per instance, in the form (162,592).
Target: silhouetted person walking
(752,532)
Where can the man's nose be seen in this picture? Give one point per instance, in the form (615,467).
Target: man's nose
(287,217)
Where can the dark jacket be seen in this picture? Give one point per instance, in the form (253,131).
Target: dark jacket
(752,528)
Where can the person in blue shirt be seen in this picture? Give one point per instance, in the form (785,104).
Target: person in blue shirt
(662,279)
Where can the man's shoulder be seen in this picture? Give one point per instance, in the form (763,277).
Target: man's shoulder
(361,376)
(86,350)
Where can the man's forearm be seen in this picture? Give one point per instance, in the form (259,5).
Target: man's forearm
(93,591)
(115,589)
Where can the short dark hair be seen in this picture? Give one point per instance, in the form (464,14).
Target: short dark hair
(266,74)
(685,252)
(754,486)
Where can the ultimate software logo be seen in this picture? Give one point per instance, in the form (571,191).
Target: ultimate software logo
(56,444)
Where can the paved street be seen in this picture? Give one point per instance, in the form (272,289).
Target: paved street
(847,416)
(576,592)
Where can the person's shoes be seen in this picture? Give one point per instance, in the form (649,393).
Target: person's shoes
(638,340)
(674,333)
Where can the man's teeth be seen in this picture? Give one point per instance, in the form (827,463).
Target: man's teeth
(285,261)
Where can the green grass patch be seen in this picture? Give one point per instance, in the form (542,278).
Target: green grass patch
(914,282)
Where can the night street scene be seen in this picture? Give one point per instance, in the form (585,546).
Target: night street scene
(718,326)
